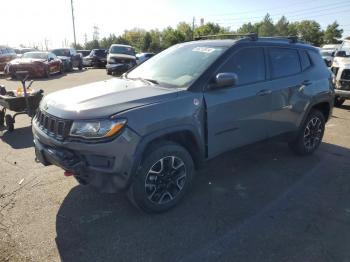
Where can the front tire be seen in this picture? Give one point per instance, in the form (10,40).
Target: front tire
(310,134)
(9,123)
(163,178)
(338,102)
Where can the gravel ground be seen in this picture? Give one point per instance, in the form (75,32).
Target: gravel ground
(259,203)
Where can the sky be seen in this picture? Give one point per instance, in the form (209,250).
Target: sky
(40,22)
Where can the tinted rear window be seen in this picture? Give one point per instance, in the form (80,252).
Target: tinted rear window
(304,60)
(284,62)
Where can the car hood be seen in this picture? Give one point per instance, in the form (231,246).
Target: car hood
(105,98)
(341,62)
(26,61)
(110,55)
(63,57)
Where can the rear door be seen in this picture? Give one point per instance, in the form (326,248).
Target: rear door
(286,83)
(240,114)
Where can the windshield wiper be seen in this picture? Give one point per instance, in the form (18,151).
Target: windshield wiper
(152,81)
(147,80)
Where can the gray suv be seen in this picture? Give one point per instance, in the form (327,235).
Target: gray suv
(147,132)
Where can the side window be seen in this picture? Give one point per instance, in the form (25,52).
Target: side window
(305,60)
(248,64)
(316,58)
(284,62)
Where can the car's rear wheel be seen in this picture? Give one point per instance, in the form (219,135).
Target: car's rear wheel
(309,136)
(163,178)
(338,101)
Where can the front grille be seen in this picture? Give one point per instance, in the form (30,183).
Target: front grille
(346,74)
(53,126)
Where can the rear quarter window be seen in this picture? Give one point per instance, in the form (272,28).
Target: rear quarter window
(304,60)
(316,58)
(284,62)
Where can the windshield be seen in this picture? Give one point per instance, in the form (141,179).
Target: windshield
(178,66)
(125,50)
(35,55)
(326,53)
(345,46)
(100,52)
(61,52)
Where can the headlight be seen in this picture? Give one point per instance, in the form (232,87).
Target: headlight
(91,129)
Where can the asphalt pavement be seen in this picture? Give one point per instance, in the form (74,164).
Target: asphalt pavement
(258,203)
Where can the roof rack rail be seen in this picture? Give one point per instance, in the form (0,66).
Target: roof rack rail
(252,36)
(291,39)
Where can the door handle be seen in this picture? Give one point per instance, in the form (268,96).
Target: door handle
(306,83)
(264,92)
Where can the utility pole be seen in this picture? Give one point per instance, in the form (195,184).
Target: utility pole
(193,28)
(75,40)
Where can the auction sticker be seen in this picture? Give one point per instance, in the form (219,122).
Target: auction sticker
(202,49)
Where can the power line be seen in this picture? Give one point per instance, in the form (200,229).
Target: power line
(295,13)
(262,10)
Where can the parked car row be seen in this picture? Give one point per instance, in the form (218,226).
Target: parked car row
(341,70)
(118,59)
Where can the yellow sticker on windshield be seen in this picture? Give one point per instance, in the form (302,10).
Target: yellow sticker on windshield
(203,49)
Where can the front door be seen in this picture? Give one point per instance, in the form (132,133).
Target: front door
(240,114)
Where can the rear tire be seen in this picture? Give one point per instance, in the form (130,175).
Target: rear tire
(163,178)
(2,118)
(338,101)
(310,134)
(47,72)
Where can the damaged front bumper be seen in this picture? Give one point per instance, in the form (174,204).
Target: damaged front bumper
(107,166)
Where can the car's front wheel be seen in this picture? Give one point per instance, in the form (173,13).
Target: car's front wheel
(310,134)
(163,178)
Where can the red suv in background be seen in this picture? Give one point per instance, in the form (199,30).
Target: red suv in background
(6,55)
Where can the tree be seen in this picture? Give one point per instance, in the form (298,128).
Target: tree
(186,30)
(310,31)
(93,44)
(135,37)
(282,27)
(209,29)
(155,45)
(248,28)
(266,27)
(147,40)
(171,37)
(332,34)
(77,46)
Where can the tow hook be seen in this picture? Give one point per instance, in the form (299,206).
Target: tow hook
(68,173)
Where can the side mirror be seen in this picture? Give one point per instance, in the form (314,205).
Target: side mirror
(340,53)
(224,80)
(333,54)
(50,59)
